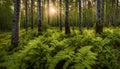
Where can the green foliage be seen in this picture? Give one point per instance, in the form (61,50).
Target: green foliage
(47,52)
(54,50)
(45,26)
(6,18)
(5,40)
(106,47)
(115,38)
(82,59)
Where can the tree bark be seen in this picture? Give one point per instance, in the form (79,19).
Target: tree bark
(48,2)
(112,14)
(117,12)
(26,14)
(60,15)
(107,15)
(16,24)
(102,11)
(67,27)
(32,4)
(117,8)
(39,18)
(80,24)
(99,27)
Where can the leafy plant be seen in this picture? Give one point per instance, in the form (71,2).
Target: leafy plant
(82,59)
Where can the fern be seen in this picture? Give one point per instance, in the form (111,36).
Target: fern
(107,55)
(55,50)
(62,55)
(84,58)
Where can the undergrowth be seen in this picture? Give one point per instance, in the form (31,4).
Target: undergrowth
(54,50)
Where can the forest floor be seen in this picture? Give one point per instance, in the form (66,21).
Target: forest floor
(5,39)
(55,50)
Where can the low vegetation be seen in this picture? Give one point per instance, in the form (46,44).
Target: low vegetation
(54,50)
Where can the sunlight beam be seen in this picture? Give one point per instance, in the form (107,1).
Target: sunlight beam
(52,10)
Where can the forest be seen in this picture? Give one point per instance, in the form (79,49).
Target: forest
(59,34)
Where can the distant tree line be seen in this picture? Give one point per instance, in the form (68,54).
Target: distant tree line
(70,13)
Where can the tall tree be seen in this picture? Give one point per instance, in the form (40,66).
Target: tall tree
(48,12)
(67,27)
(39,18)
(112,14)
(32,4)
(84,2)
(80,24)
(102,12)
(26,15)
(117,11)
(99,28)
(16,23)
(57,13)
(107,13)
(60,15)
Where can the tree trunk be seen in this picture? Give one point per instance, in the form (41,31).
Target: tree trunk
(80,24)
(67,28)
(16,24)
(117,12)
(26,14)
(60,15)
(43,9)
(32,4)
(57,21)
(102,14)
(107,15)
(102,11)
(39,18)
(112,14)
(48,1)
(117,8)
(98,23)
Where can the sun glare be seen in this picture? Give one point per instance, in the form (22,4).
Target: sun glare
(52,10)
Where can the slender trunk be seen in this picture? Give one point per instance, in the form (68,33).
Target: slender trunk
(102,14)
(39,18)
(60,15)
(98,23)
(48,1)
(117,8)
(67,28)
(111,14)
(43,9)
(16,24)
(26,14)
(57,22)
(80,24)
(107,15)
(32,4)
(85,13)
(102,11)
(117,12)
